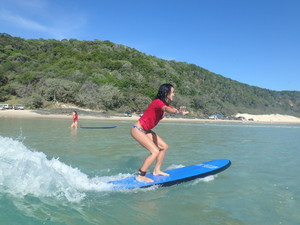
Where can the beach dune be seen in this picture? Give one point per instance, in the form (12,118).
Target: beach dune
(270,118)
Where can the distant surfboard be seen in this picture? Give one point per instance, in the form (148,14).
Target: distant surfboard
(177,176)
(98,127)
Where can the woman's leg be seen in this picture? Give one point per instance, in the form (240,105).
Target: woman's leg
(146,141)
(163,147)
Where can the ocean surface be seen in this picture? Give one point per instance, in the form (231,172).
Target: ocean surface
(52,174)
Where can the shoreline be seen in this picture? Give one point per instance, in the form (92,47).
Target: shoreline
(262,119)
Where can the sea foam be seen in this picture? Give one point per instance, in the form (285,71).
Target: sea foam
(27,172)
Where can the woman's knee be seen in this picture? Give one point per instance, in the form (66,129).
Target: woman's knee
(164,147)
(155,152)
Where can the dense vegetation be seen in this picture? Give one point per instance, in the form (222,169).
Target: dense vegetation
(106,76)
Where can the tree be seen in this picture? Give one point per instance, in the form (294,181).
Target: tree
(110,97)
(105,97)
(88,96)
(59,90)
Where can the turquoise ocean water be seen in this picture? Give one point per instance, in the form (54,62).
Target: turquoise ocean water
(51,174)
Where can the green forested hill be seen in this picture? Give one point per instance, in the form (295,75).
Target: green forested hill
(108,76)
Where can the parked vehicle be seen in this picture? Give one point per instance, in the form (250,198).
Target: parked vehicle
(7,106)
(1,107)
(216,117)
(127,114)
(19,107)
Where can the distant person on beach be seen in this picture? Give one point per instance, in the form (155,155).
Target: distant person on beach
(142,133)
(75,119)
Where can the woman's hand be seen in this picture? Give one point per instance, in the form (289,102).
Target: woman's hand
(182,110)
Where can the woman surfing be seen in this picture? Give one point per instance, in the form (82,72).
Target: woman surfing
(142,133)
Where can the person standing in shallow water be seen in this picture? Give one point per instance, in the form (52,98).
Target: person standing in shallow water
(142,133)
(75,120)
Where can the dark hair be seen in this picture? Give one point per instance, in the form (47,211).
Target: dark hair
(75,112)
(163,91)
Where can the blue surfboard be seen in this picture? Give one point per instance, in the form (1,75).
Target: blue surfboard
(98,127)
(177,176)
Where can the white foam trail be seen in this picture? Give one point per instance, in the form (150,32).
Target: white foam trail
(24,172)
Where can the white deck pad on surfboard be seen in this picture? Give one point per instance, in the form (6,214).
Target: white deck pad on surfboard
(177,176)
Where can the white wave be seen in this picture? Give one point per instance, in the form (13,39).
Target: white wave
(25,172)
(204,179)
(173,166)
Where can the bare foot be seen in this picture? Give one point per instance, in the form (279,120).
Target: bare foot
(144,178)
(160,173)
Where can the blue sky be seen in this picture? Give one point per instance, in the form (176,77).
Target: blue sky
(256,42)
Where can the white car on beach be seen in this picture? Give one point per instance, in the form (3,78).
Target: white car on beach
(19,107)
(7,106)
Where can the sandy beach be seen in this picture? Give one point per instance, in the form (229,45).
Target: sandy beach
(249,118)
